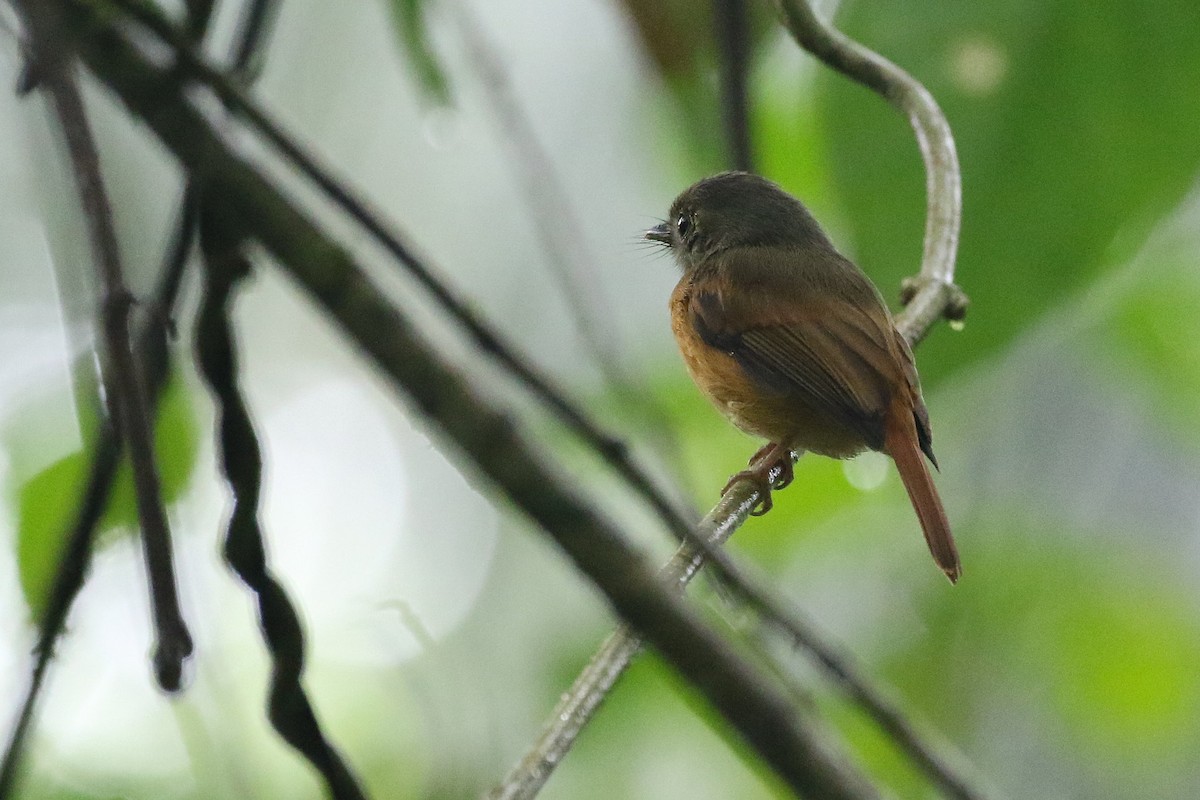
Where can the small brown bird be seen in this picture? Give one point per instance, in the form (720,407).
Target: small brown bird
(793,343)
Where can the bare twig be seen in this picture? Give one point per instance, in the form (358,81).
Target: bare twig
(562,236)
(72,567)
(929,296)
(249,53)
(124,386)
(608,664)
(482,433)
(199,14)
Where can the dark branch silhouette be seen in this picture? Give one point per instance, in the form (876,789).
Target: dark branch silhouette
(288,708)
(124,384)
(153,351)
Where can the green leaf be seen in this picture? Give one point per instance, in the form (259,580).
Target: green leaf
(1076,128)
(410,18)
(48,501)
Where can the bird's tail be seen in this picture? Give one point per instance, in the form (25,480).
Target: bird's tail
(900,441)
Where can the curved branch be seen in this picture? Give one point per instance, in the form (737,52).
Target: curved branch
(942,179)
(931,293)
(560,230)
(288,708)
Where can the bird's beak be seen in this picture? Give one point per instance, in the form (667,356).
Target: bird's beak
(659,233)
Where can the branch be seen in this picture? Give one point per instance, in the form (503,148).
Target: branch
(731,29)
(124,386)
(102,472)
(928,297)
(562,236)
(483,433)
(608,664)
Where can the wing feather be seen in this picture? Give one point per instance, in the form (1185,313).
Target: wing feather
(828,340)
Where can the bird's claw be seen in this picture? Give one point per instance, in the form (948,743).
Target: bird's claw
(768,459)
(761,485)
(786,473)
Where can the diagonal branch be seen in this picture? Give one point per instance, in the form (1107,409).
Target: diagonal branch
(559,229)
(102,472)
(483,433)
(558,226)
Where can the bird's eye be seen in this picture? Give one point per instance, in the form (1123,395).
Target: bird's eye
(683,225)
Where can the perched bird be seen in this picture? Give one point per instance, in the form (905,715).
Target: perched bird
(793,343)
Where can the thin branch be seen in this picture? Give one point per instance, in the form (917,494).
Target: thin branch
(483,433)
(607,665)
(929,296)
(68,579)
(124,386)
(731,29)
(199,15)
(611,449)
(249,53)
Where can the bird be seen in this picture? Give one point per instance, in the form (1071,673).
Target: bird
(794,344)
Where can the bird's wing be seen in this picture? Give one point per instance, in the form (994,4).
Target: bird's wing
(821,333)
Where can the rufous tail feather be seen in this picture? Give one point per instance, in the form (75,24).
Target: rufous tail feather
(900,441)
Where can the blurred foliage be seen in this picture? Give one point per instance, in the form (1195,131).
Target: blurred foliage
(1076,129)
(1106,662)
(1155,332)
(48,501)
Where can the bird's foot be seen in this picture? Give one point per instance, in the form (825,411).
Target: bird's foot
(771,458)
